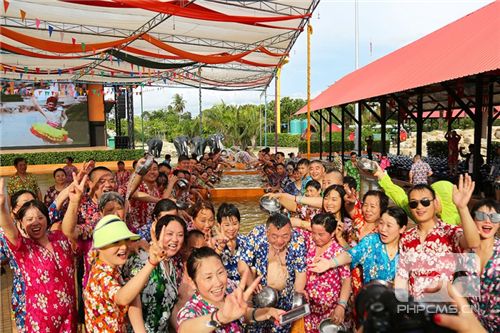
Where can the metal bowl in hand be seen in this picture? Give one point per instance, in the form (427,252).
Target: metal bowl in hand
(182,205)
(268,297)
(367,165)
(271,205)
(298,299)
(328,326)
(182,183)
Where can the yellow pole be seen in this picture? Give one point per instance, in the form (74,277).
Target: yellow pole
(278,100)
(308,135)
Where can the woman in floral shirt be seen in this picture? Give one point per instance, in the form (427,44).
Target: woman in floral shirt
(230,242)
(328,293)
(45,260)
(487,306)
(218,305)
(54,190)
(160,293)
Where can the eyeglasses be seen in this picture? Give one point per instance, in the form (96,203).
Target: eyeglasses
(424,202)
(481,216)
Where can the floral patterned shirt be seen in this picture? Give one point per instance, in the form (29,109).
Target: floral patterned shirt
(353,171)
(371,254)
(141,211)
(487,307)
(292,189)
(68,170)
(420,171)
(16,183)
(102,314)
(422,264)
(230,260)
(18,299)
(256,256)
(122,177)
(49,198)
(50,287)
(197,307)
(160,293)
(323,289)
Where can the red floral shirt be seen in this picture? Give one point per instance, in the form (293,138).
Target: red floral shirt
(423,264)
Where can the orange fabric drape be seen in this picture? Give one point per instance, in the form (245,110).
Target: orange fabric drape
(20,51)
(59,47)
(207,59)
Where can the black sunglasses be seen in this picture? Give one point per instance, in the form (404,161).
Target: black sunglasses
(481,216)
(425,202)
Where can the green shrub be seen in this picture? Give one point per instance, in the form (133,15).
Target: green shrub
(437,149)
(284,140)
(79,156)
(336,146)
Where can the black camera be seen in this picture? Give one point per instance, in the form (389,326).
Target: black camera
(378,311)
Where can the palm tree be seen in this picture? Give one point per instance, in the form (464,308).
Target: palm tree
(178,104)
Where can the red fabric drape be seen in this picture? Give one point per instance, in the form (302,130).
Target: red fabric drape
(20,51)
(193,11)
(59,47)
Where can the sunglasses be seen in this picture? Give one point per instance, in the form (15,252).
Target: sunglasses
(493,217)
(424,202)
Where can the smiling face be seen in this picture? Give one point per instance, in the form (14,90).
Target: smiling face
(303,170)
(311,191)
(152,174)
(316,170)
(204,221)
(115,254)
(332,203)
(279,238)
(421,213)
(487,229)
(34,223)
(173,238)
(230,226)
(104,181)
(211,279)
(21,167)
(389,229)
(60,177)
(371,209)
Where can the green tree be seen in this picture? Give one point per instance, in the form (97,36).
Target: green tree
(178,104)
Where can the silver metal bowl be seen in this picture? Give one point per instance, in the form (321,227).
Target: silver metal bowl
(270,205)
(328,326)
(367,165)
(268,297)
(298,299)
(182,183)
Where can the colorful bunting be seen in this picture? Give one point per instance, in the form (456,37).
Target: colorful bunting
(22,14)
(37,23)
(83,47)
(5,5)
(51,29)
(73,40)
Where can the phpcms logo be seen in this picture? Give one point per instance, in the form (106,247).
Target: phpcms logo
(426,284)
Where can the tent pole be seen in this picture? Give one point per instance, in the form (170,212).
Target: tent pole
(489,152)
(383,122)
(308,135)
(330,134)
(478,126)
(360,126)
(265,117)
(320,134)
(420,122)
(142,119)
(343,135)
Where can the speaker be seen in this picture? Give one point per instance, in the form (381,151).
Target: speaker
(121,106)
(122,142)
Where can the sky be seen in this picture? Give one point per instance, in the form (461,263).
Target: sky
(384,26)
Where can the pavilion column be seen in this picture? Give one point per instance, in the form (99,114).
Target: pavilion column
(489,152)
(330,133)
(478,126)
(360,124)
(420,122)
(383,121)
(320,134)
(342,140)
(97,119)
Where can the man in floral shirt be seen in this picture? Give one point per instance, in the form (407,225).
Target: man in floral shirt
(426,251)
(277,253)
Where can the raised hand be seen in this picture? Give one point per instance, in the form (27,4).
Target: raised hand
(236,304)
(463,192)
(156,251)
(2,192)
(320,265)
(77,188)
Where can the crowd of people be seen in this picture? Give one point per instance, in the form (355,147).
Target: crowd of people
(152,254)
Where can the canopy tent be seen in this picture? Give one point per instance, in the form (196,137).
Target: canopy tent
(214,44)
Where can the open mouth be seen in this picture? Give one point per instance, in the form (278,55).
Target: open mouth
(173,246)
(122,255)
(218,292)
(486,229)
(36,229)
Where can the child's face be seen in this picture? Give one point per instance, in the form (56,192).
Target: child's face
(51,106)
(115,254)
(312,192)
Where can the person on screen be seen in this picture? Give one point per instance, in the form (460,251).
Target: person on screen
(53,130)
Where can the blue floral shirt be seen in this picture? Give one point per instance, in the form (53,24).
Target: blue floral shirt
(18,286)
(372,255)
(256,256)
(230,260)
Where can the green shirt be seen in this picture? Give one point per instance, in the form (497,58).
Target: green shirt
(443,189)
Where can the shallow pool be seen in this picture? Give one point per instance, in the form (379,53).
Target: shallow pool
(242,181)
(250,213)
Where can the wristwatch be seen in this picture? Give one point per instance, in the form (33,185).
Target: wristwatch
(213,323)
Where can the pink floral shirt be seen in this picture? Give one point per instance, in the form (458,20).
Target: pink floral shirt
(50,286)
(323,289)
(141,211)
(423,264)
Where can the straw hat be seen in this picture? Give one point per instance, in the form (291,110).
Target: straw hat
(111,229)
